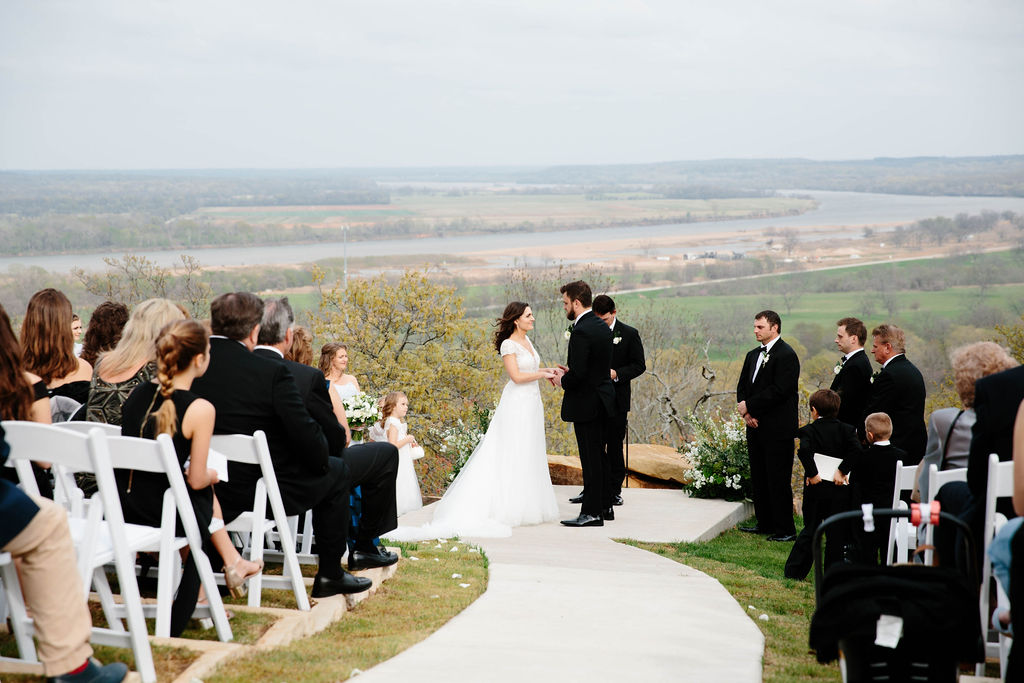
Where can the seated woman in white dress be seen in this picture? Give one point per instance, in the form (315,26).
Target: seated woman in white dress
(334,363)
(393,429)
(505,483)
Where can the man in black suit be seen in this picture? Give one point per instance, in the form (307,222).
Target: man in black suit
(252,393)
(371,466)
(627,364)
(898,391)
(766,396)
(588,400)
(853,373)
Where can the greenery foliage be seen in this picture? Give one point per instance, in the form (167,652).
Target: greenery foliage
(457,442)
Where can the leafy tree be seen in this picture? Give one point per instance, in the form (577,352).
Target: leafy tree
(1013,338)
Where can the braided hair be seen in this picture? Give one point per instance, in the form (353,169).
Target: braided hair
(176,345)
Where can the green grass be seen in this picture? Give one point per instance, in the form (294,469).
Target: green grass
(750,568)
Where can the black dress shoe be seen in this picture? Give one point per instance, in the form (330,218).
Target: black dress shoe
(753,529)
(584,520)
(324,587)
(617,500)
(576,500)
(783,538)
(367,559)
(608,514)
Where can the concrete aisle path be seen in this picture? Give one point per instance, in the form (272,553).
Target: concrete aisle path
(569,605)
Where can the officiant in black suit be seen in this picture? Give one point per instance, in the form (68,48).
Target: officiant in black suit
(852,373)
(766,396)
(627,364)
(252,393)
(370,466)
(898,391)
(588,400)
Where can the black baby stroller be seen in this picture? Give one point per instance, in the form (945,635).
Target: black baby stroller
(900,622)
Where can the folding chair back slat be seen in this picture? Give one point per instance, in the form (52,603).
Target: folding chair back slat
(902,536)
(1000,485)
(936,480)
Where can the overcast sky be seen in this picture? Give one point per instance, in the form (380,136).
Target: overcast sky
(253,83)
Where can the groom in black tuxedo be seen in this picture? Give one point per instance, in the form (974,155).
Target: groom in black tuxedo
(766,396)
(588,401)
(853,373)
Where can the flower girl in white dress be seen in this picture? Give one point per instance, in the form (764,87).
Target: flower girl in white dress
(393,429)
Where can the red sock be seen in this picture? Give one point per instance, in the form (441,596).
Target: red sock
(79,669)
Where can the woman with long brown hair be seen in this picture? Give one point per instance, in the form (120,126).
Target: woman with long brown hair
(170,407)
(22,397)
(340,385)
(48,347)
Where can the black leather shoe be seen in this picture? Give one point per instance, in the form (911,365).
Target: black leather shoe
(95,672)
(783,538)
(367,559)
(324,587)
(617,500)
(576,500)
(753,529)
(608,515)
(584,520)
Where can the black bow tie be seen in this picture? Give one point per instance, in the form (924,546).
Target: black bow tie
(842,361)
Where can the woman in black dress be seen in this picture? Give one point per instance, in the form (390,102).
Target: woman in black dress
(48,347)
(182,354)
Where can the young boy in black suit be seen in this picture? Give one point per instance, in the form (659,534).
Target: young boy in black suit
(825,435)
(876,478)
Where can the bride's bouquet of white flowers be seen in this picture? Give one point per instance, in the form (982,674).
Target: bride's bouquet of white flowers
(361,410)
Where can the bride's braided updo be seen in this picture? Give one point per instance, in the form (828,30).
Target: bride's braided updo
(177,344)
(506,324)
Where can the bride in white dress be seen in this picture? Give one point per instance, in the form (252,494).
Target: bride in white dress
(505,482)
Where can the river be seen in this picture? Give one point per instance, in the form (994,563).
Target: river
(852,209)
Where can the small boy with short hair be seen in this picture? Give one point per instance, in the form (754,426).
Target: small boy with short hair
(876,479)
(825,435)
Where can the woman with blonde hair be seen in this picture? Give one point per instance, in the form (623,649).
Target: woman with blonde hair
(334,363)
(302,347)
(48,347)
(949,429)
(131,362)
(170,407)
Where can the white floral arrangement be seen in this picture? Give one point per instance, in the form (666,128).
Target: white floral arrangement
(839,365)
(361,410)
(616,339)
(568,332)
(718,454)
(457,442)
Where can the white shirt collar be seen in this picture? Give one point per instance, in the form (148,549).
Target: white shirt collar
(769,345)
(582,313)
(850,354)
(891,359)
(269,348)
(881,443)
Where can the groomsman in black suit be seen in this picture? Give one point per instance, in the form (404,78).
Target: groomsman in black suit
(898,391)
(766,396)
(371,466)
(588,400)
(252,393)
(853,373)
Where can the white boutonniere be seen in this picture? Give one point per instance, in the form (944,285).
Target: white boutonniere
(764,357)
(568,332)
(874,375)
(838,367)
(616,339)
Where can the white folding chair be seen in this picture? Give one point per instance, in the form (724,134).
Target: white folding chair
(101,537)
(1000,485)
(86,427)
(12,604)
(936,480)
(902,534)
(158,456)
(253,450)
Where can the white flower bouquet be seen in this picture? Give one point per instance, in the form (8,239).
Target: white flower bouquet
(361,410)
(718,454)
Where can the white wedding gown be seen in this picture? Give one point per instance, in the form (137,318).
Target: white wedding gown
(505,483)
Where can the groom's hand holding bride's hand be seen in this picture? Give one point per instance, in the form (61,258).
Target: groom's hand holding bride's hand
(559,371)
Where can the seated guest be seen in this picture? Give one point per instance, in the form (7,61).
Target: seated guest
(35,532)
(1016,578)
(131,363)
(48,348)
(825,435)
(302,347)
(949,429)
(104,331)
(876,479)
(371,466)
(899,392)
(996,399)
(251,393)
(182,354)
(22,397)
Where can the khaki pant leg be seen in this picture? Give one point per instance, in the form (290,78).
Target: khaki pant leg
(52,589)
